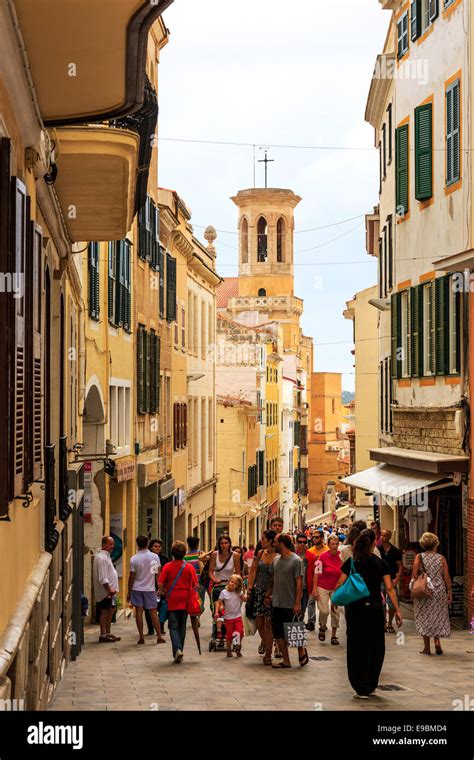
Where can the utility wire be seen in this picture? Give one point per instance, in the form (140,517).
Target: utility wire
(296,232)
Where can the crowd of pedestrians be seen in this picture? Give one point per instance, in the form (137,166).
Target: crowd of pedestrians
(277,582)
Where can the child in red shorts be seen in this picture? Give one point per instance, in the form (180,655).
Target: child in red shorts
(230,601)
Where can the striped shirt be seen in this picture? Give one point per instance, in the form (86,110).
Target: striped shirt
(193,559)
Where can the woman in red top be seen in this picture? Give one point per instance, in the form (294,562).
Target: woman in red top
(175,582)
(327,571)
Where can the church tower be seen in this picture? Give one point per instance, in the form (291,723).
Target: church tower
(266,259)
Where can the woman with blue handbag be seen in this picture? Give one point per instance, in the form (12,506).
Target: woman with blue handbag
(358,589)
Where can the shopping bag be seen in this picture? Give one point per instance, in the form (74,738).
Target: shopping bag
(295,633)
(250,625)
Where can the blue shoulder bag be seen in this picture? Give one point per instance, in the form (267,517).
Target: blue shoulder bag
(164,601)
(353,589)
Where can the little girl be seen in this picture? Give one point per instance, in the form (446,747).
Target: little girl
(229,604)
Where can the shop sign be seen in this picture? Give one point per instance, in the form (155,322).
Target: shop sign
(167,488)
(181,500)
(150,472)
(124,470)
(457,605)
(408,558)
(87,500)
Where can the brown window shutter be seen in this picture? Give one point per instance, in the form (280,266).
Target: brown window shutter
(18,239)
(175,426)
(185,427)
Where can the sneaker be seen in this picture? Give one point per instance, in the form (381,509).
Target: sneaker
(178,656)
(310,626)
(360,696)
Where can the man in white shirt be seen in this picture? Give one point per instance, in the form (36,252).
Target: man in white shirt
(145,569)
(106,585)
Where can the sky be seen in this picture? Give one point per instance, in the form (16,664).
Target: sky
(268,72)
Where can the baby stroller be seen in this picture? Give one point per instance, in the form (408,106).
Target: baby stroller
(216,643)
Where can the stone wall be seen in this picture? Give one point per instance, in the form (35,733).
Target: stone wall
(440,430)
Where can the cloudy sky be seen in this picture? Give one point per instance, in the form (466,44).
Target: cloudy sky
(295,74)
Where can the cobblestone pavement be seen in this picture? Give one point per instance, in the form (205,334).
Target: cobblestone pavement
(124,676)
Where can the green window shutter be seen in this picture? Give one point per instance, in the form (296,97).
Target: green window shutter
(141,370)
(111,279)
(93,280)
(161,267)
(453,135)
(147,371)
(119,281)
(415,16)
(170,288)
(155,238)
(126,286)
(158,369)
(396,335)
(401,148)
(142,233)
(442,325)
(153,368)
(424,152)
(390,253)
(417,331)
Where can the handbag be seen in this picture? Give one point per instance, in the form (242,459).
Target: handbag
(194,605)
(353,589)
(164,601)
(421,586)
(295,632)
(250,625)
(249,605)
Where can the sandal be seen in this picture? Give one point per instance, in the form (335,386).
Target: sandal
(267,660)
(261,649)
(423,651)
(322,634)
(334,640)
(304,659)
(277,654)
(438,649)
(280,665)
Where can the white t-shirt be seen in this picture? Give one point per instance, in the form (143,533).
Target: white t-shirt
(104,572)
(345,552)
(418,519)
(232,604)
(145,565)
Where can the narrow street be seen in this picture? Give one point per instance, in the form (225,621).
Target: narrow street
(123,676)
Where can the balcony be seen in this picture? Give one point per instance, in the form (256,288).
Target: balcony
(96,181)
(286,304)
(86,58)
(51,535)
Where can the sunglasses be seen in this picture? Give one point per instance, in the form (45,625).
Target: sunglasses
(302,542)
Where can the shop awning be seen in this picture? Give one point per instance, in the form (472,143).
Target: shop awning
(341,513)
(391,482)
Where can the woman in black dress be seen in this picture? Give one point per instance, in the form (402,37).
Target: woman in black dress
(365,618)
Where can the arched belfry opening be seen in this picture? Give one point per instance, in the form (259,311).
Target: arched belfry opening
(281,240)
(244,240)
(262,240)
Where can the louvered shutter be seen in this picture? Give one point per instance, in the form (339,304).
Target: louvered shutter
(111,280)
(415,16)
(119,281)
(155,238)
(434,9)
(142,233)
(380,267)
(442,325)
(453,159)
(170,288)
(6,306)
(396,335)
(389,254)
(431,327)
(126,286)
(423,152)
(37,400)
(158,370)
(185,415)
(153,387)
(175,427)
(402,170)
(147,370)
(141,370)
(455,337)
(18,219)
(161,266)
(417,331)
(93,280)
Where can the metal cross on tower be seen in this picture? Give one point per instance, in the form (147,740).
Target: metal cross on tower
(266,161)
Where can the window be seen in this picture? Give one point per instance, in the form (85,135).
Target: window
(195,325)
(191,431)
(195,431)
(454,327)
(183,327)
(390,130)
(180,426)
(119,420)
(190,323)
(423,13)
(384,151)
(161,291)
(119,285)
(210,417)
(402,170)
(429,329)
(416,338)
(402,34)
(203,329)
(262,239)
(262,293)
(93,275)
(424,152)
(453,133)
(245,241)
(170,288)
(210,333)
(148,371)
(389,241)
(281,239)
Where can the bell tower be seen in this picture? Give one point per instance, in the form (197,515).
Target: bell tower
(266,230)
